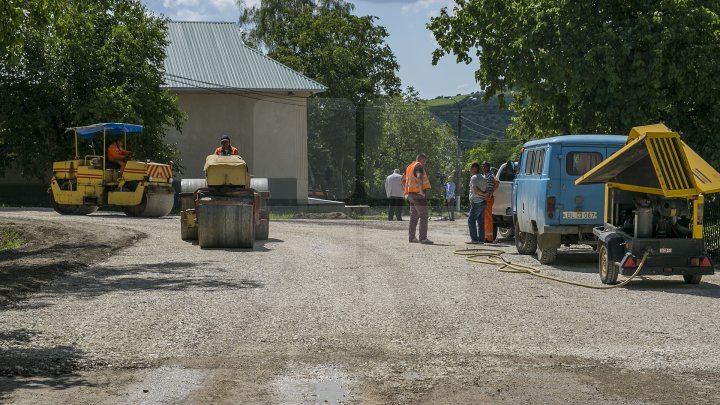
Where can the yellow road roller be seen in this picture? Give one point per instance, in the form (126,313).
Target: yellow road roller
(654,192)
(225,210)
(81,185)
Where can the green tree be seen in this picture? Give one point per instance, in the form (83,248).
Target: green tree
(99,61)
(347,53)
(494,150)
(401,128)
(15,15)
(589,67)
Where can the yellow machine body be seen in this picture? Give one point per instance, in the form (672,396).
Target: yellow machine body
(654,196)
(226,171)
(227,212)
(81,185)
(656,161)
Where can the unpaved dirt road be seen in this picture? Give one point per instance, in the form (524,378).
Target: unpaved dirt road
(337,311)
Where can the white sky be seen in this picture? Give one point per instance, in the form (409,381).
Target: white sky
(408,37)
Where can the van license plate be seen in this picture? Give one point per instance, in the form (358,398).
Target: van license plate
(579,215)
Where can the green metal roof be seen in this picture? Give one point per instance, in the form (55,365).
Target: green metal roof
(212,55)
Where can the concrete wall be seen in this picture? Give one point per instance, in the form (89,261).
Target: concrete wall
(270,131)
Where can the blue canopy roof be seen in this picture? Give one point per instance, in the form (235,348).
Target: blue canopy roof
(110,128)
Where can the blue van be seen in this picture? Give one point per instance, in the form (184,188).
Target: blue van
(549,210)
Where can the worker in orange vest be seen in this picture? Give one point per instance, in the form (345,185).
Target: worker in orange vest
(492,184)
(225,149)
(116,154)
(415,183)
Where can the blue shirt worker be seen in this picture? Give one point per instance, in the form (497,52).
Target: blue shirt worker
(477,195)
(450,197)
(395,194)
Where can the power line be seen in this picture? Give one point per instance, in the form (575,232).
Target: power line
(482,126)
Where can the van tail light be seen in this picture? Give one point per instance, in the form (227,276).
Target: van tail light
(629,262)
(551,207)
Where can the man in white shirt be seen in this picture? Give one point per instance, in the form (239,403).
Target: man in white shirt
(395,195)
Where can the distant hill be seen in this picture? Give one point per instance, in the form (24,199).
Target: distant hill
(479,120)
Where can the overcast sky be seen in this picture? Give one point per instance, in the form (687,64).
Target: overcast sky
(405,21)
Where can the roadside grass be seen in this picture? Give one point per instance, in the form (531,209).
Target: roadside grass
(9,239)
(281,215)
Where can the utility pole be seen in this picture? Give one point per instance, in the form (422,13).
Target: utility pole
(459,106)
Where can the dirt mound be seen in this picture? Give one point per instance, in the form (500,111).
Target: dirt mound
(52,249)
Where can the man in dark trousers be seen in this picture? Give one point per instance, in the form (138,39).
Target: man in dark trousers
(395,194)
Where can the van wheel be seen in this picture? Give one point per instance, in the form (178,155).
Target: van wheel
(525,243)
(505,233)
(692,278)
(547,255)
(608,271)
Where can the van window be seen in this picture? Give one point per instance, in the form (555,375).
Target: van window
(507,173)
(530,162)
(539,159)
(579,163)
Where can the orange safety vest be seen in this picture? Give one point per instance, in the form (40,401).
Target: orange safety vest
(115,153)
(233,150)
(412,183)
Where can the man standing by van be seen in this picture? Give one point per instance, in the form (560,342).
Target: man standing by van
(492,184)
(476,217)
(416,182)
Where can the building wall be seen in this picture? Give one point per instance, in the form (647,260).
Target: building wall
(270,131)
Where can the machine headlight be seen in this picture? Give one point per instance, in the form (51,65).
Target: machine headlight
(170,180)
(149,178)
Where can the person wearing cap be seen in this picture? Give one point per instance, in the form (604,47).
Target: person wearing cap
(395,194)
(225,148)
(117,155)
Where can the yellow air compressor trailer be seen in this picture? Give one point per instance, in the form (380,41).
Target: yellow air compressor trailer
(81,185)
(654,192)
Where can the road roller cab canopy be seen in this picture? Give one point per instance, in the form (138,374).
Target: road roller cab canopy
(104,129)
(107,128)
(656,161)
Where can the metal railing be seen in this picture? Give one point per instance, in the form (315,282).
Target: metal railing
(711,227)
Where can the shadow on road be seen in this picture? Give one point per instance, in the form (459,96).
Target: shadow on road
(172,276)
(25,367)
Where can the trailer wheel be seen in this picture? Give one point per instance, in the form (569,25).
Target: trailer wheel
(692,278)
(608,271)
(525,242)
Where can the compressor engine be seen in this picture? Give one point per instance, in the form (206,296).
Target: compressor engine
(659,217)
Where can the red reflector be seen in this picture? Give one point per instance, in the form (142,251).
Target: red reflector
(630,262)
(705,262)
(551,207)
(694,261)
(667,269)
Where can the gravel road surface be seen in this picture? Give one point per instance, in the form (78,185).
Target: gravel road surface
(344,311)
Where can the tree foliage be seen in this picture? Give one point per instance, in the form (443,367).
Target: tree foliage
(346,53)
(98,61)
(400,128)
(594,67)
(496,151)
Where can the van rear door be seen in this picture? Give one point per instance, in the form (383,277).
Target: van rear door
(581,205)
